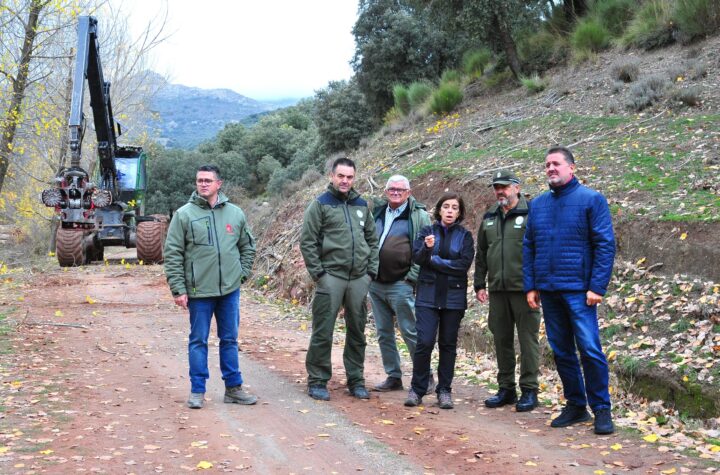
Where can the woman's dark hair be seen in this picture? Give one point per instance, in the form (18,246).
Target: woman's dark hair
(450,196)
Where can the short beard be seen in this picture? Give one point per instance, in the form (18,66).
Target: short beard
(555,181)
(502,202)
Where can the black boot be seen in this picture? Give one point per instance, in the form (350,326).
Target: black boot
(390,384)
(503,397)
(528,401)
(571,415)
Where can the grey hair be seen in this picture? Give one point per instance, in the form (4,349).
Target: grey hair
(401,178)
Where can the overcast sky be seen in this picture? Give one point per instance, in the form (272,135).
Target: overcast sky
(263,49)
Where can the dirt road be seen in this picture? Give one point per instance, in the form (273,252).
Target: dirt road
(95,380)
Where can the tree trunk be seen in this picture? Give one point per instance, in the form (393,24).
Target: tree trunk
(574,9)
(508,44)
(62,155)
(9,124)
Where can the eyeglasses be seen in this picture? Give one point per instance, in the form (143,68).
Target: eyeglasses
(204,181)
(396,191)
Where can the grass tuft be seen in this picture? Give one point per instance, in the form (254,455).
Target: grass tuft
(534,83)
(475,61)
(446,98)
(418,94)
(401,97)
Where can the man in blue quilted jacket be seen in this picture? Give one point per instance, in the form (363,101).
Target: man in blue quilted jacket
(568,254)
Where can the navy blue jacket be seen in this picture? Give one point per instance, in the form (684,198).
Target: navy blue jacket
(442,282)
(569,243)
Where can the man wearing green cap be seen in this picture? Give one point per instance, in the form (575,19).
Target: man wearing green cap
(499,259)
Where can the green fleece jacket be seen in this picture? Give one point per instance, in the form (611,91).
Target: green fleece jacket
(209,252)
(338,236)
(500,248)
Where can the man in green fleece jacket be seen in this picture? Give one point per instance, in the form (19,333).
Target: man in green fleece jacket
(398,220)
(209,252)
(499,258)
(340,249)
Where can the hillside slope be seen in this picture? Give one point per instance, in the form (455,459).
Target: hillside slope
(187,116)
(660,168)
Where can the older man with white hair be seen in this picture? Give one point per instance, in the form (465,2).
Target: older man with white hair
(397,221)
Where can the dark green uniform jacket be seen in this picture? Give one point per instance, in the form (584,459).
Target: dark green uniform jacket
(338,236)
(209,252)
(500,248)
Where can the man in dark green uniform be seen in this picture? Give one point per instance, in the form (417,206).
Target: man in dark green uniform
(499,258)
(340,248)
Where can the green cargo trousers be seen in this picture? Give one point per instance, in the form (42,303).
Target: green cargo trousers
(509,310)
(330,293)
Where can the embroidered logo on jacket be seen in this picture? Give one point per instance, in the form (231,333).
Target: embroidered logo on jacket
(229,229)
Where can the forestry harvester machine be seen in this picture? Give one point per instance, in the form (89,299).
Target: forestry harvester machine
(106,209)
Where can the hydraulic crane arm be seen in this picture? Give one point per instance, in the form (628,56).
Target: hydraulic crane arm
(88,67)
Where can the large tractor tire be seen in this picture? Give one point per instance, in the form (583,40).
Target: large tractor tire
(69,247)
(150,241)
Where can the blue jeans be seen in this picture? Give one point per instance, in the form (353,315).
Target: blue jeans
(390,300)
(572,326)
(227,318)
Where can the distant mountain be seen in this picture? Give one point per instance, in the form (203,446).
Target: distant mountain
(188,116)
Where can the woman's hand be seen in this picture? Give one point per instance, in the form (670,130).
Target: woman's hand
(430,241)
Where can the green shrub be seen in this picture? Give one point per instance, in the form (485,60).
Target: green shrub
(499,78)
(625,70)
(446,98)
(534,83)
(542,50)
(418,93)
(590,36)
(475,61)
(402,99)
(614,15)
(266,166)
(652,26)
(697,18)
(450,75)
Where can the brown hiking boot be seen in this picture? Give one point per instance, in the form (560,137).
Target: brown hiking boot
(238,395)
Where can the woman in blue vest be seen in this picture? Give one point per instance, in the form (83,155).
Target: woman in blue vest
(444,251)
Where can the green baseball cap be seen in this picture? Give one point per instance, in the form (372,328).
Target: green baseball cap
(504,177)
